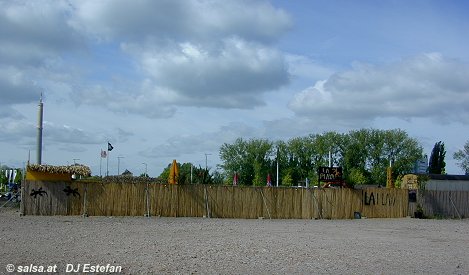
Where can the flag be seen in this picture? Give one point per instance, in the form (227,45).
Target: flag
(103,154)
(109,147)
(235,179)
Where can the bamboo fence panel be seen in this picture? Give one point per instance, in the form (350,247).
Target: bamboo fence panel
(281,204)
(184,206)
(257,203)
(326,203)
(160,200)
(130,199)
(95,199)
(74,199)
(268,209)
(306,206)
(50,199)
(385,203)
(191,202)
(228,203)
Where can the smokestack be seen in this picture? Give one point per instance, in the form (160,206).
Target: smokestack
(39,132)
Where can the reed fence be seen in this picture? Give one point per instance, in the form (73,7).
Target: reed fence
(139,199)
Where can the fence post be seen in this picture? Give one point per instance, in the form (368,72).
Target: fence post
(266,207)
(147,197)
(207,208)
(85,214)
(457,212)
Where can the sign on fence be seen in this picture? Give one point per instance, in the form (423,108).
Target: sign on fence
(330,174)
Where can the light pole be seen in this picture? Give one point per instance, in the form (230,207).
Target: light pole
(75,161)
(118,164)
(206,167)
(145,168)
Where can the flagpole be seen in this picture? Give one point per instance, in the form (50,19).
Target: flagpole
(100,162)
(277,168)
(107,160)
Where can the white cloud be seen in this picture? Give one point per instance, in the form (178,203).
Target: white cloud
(16,87)
(200,143)
(428,85)
(147,101)
(24,132)
(186,53)
(18,131)
(31,31)
(179,20)
(231,74)
(304,67)
(192,53)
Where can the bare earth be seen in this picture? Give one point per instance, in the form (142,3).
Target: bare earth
(232,246)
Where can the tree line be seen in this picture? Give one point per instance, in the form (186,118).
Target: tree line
(364,156)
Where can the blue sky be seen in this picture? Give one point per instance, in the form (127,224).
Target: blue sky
(164,80)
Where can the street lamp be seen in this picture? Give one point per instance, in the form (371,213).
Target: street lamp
(145,168)
(75,161)
(206,167)
(118,164)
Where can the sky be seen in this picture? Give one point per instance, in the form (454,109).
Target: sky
(164,79)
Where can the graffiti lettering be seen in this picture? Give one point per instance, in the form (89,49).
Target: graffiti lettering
(379,199)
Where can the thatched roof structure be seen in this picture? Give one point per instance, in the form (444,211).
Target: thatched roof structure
(76,169)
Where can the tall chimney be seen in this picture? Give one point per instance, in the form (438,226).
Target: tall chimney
(39,132)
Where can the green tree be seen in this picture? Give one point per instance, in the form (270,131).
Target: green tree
(364,156)
(437,159)
(356,176)
(301,154)
(355,156)
(218,178)
(199,174)
(287,179)
(463,157)
(251,159)
(368,153)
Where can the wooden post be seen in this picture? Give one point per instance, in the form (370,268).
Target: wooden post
(207,208)
(265,203)
(85,214)
(147,197)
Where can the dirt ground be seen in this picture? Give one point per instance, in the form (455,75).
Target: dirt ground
(141,245)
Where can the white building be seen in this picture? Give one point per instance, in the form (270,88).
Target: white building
(421,165)
(447,183)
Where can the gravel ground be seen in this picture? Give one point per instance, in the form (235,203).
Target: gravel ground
(142,245)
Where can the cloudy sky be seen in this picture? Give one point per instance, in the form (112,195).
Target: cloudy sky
(165,79)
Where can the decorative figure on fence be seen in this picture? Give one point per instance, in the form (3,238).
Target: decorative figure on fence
(40,192)
(69,191)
